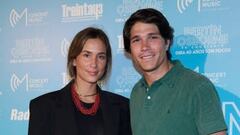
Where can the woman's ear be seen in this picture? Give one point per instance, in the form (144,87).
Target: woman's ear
(74,62)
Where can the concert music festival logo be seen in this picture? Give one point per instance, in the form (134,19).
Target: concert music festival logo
(16,17)
(16,82)
(207,5)
(183,4)
(28,82)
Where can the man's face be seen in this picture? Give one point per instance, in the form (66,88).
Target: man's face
(148,47)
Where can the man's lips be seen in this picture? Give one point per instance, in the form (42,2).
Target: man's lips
(146,56)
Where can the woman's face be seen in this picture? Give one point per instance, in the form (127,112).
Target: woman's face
(91,62)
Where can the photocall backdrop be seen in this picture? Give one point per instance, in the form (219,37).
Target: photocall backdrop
(35,36)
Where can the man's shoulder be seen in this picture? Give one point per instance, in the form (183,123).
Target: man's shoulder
(139,83)
(192,76)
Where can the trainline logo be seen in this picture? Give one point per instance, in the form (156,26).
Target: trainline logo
(16,17)
(82,12)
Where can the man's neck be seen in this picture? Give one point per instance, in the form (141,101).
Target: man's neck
(157,74)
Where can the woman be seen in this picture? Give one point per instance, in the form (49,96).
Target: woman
(81,107)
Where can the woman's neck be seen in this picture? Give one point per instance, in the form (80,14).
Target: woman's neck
(85,91)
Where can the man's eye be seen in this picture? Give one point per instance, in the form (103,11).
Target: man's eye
(135,40)
(153,37)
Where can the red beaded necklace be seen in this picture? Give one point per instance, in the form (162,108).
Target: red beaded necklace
(80,106)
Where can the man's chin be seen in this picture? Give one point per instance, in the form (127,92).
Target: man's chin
(147,68)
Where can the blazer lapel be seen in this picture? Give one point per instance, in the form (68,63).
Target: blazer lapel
(65,115)
(110,115)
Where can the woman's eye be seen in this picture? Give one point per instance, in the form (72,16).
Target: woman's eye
(86,55)
(102,57)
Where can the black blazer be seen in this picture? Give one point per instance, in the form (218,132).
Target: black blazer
(53,114)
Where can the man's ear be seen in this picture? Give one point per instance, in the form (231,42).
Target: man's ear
(167,45)
(128,54)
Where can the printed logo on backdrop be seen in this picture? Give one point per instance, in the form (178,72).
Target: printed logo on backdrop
(81,12)
(27,17)
(127,7)
(19,115)
(231,112)
(182,5)
(120,48)
(30,50)
(65,78)
(201,5)
(27,82)
(211,36)
(1,117)
(64,47)
(126,79)
(215,77)
(194,46)
(211,39)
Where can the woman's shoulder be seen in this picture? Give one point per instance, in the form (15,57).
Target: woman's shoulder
(46,97)
(53,95)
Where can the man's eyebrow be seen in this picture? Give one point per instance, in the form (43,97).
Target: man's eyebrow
(151,34)
(136,36)
(154,33)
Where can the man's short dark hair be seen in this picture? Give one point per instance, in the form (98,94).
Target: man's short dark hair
(151,16)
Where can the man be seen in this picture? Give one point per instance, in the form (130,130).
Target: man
(170,99)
